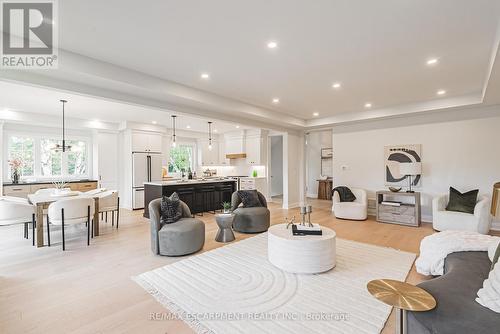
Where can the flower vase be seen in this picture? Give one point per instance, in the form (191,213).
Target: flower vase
(15,177)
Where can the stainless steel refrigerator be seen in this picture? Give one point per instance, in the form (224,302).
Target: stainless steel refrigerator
(146,167)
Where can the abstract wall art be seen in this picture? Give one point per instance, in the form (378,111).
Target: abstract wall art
(396,154)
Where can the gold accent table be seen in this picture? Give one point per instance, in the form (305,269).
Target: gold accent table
(402,296)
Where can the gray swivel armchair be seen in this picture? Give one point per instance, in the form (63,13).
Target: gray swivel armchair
(183,237)
(250,220)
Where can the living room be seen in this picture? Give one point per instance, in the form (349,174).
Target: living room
(268,167)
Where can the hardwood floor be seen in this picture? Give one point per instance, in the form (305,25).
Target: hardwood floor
(89,290)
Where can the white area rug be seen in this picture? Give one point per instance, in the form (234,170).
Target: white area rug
(234,289)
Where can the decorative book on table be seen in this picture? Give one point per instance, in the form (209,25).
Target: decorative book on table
(391,203)
(306,230)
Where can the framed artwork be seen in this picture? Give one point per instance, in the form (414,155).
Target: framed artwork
(396,154)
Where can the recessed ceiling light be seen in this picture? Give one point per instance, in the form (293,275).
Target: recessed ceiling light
(216,130)
(237,126)
(276,100)
(368,105)
(272,45)
(336,85)
(205,76)
(441,92)
(315,114)
(432,61)
(188,126)
(154,122)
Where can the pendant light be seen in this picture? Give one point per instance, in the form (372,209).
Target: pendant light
(63,147)
(174,143)
(210,136)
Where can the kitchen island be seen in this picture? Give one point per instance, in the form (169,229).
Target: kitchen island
(200,195)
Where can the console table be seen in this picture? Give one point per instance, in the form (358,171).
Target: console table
(408,213)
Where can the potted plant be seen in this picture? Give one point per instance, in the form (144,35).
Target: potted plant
(226,206)
(15,165)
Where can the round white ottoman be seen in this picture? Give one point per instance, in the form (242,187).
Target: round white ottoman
(309,254)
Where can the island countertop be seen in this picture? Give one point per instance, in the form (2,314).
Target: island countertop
(188,182)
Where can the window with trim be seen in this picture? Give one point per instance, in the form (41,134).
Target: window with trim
(41,160)
(181,159)
(23,148)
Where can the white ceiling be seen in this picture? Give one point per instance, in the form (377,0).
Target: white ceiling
(36,100)
(376,49)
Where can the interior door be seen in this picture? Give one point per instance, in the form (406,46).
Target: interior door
(107,159)
(139,169)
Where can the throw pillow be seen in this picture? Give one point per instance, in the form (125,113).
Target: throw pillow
(171,210)
(465,202)
(489,295)
(345,194)
(250,198)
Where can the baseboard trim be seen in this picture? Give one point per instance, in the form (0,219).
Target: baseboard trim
(309,195)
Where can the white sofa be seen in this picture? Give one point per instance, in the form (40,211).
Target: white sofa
(357,210)
(443,220)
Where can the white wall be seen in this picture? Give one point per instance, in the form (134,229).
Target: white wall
(294,170)
(463,154)
(315,142)
(276,159)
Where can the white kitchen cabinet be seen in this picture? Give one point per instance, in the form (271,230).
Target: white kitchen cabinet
(256,148)
(207,157)
(146,142)
(254,183)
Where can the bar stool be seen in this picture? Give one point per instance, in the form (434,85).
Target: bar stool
(224,192)
(208,193)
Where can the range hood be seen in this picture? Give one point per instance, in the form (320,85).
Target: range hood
(236,156)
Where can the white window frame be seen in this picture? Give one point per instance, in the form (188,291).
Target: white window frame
(194,147)
(37,137)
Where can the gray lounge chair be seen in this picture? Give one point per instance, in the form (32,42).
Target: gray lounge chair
(250,220)
(183,237)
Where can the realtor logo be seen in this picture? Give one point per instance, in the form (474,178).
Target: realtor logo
(29,35)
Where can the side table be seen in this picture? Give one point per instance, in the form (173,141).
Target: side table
(225,233)
(402,296)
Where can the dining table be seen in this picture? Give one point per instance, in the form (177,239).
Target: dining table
(43,200)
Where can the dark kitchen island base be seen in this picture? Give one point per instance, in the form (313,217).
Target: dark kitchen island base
(200,196)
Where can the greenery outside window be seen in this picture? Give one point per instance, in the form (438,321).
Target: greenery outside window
(181,159)
(22,148)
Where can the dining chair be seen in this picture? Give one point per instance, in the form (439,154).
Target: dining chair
(66,211)
(14,211)
(109,201)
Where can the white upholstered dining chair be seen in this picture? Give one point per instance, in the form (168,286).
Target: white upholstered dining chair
(110,202)
(14,211)
(75,210)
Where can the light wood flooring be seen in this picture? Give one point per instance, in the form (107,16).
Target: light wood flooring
(89,290)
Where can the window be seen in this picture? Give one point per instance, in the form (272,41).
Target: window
(77,158)
(22,148)
(41,160)
(50,160)
(181,159)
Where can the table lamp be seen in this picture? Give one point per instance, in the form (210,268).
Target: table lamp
(410,169)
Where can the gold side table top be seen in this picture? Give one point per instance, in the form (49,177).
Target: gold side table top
(401,295)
